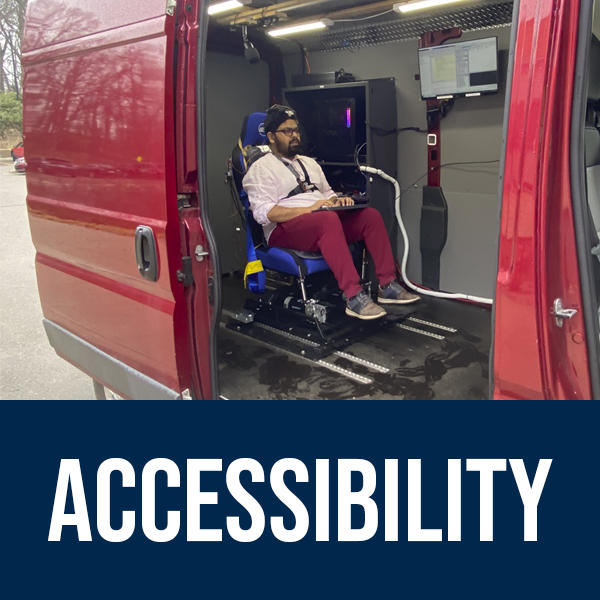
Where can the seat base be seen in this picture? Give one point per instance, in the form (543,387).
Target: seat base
(280,320)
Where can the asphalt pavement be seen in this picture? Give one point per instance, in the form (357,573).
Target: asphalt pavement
(29,367)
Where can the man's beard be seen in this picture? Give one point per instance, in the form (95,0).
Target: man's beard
(288,151)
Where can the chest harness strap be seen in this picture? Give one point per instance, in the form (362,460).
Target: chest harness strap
(303,186)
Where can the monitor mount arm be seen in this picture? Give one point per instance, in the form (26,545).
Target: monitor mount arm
(434,212)
(434,109)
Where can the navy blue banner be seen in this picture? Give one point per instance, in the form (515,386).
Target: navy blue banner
(56,454)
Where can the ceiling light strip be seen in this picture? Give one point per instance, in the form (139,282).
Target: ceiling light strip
(303,27)
(226,6)
(405,7)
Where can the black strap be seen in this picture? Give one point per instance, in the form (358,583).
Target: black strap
(303,186)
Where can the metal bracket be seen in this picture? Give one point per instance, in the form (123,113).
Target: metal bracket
(200,253)
(315,310)
(561,313)
(185,273)
(170,9)
(184,201)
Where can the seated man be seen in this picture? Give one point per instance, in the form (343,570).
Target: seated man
(284,188)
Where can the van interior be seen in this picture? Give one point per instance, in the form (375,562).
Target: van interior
(371,88)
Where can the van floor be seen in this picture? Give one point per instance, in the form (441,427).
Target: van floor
(419,367)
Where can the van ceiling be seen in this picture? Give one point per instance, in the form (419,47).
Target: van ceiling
(361,23)
(289,11)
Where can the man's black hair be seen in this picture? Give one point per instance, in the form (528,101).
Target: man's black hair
(277,115)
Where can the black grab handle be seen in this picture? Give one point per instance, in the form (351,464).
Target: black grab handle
(145,253)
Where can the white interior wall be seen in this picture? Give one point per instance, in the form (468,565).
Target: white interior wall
(472,131)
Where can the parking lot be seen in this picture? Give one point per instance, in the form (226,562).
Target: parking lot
(29,367)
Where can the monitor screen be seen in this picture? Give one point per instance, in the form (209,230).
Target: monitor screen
(461,69)
(336,123)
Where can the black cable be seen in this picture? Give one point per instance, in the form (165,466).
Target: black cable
(382,132)
(237,203)
(472,162)
(363,18)
(356,160)
(303,53)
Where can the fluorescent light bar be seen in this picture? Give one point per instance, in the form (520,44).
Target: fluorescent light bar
(223,6)
(420,4)
(322,24)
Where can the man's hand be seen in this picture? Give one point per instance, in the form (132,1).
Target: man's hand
(344,201)
(320,203)
(282,214)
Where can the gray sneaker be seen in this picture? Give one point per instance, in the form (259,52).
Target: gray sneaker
(394,293)
(362,307)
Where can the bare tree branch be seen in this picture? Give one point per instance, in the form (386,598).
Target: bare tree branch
(12,20)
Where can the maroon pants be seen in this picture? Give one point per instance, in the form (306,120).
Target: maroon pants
(330,233)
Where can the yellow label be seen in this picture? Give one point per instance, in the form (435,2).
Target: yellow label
(252,267)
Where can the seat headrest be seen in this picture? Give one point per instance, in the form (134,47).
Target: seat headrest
(253,131)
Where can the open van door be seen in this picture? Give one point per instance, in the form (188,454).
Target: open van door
(542,348)
(116,279)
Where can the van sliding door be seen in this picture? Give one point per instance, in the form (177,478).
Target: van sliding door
(102,198)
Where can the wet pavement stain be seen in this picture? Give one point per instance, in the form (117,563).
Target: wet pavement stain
(235,355)
(461,354)
(402,387)
(476,394)
(283,376)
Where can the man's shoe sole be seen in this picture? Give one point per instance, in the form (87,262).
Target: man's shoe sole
(364,317)
(390,301)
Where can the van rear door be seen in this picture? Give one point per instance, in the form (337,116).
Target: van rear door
(537,353)
(102,190)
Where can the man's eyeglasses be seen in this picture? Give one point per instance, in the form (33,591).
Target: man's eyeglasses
(288,131)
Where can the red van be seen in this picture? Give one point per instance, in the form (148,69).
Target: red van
(131,112)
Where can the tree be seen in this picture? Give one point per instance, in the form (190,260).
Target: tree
(11,113)
(12,20)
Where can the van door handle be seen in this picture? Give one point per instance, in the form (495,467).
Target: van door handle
(145,253)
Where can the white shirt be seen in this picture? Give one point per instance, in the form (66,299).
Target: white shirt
(269,181)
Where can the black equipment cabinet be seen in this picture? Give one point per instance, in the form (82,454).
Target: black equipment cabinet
(336,120)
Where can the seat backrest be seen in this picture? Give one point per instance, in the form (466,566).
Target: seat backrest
(253,134)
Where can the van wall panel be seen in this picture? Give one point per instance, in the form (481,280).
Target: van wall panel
(235,89)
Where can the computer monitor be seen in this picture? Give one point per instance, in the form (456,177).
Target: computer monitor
(336,129)
(460,69)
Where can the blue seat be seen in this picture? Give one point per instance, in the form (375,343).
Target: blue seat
(284,260)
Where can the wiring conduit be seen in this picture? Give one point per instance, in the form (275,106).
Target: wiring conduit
(409,283)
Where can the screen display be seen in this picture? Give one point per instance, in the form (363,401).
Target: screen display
(459,69)
(336,129)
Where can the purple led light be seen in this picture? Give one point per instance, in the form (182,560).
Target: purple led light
(348,121)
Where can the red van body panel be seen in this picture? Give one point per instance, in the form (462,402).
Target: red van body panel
(534,358)
(98,122)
